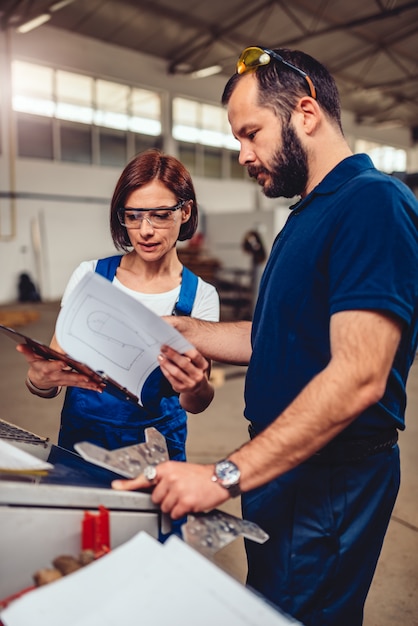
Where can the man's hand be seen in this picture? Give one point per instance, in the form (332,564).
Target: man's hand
(180,488)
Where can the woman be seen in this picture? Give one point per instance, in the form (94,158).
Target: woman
(153,206)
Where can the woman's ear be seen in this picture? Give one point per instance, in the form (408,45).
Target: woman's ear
(186,211)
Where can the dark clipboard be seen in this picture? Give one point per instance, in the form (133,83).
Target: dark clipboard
(41,349)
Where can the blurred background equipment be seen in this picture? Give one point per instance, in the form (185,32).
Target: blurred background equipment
(27,291)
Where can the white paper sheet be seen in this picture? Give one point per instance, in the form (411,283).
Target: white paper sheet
(17,461)
(113,333)
(145,582)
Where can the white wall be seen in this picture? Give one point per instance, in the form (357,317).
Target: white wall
(66,218)
(71,215)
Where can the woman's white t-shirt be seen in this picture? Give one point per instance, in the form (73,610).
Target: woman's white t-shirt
(205,307)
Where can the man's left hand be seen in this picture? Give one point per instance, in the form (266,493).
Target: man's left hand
(180,488)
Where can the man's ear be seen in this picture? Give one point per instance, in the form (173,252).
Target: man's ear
(308,113)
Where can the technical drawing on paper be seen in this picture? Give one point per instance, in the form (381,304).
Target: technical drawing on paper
(113,333)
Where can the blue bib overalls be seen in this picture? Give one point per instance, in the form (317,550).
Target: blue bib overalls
(114,423)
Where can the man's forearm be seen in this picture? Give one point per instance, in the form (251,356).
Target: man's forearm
(363,344)
(225,342)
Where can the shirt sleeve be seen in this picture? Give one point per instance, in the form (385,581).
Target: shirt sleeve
(375,254)
(206,304)
(76,276)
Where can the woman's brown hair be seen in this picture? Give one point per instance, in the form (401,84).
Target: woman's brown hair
(141,170)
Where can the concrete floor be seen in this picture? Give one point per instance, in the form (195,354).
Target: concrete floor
(393,598)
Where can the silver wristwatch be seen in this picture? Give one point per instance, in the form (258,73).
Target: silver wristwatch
(228,475)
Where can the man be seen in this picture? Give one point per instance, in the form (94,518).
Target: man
(333,336)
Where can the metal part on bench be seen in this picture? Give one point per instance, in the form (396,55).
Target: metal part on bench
(206,532)
(129,461)
(209,532)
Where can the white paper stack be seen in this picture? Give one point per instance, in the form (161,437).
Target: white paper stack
(145,582)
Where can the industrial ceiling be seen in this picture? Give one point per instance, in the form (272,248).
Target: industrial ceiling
(370,46)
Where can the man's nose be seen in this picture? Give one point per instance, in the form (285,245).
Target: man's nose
(246,155)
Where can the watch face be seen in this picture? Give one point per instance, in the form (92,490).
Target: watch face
(227,473)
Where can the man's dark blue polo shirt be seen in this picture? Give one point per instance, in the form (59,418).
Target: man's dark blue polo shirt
(352,243)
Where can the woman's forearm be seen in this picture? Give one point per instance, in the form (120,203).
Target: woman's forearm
(197,402)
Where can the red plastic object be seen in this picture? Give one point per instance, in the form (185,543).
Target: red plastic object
(96,531)
(95,535)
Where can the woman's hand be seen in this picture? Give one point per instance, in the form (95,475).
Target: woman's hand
(188,374)
(45,374)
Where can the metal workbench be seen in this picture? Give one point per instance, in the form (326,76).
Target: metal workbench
(41,516)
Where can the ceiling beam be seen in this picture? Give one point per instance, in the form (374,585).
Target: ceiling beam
(374,17)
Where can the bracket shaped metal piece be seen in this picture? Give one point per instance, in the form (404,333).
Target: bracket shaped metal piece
(129,461)
(212,531)
(206,532)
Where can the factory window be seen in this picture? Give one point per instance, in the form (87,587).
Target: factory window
(212,163)
(70,97)
(113,148)
(33,89)
(236,170)
(143,142)
(145,113)
(386,158)
(111,105)
(187,155)
(76,143)
(34,137)
(204,137)
(73,117)
(202,123)
(74,95)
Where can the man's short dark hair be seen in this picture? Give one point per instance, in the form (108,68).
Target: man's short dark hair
(280,87)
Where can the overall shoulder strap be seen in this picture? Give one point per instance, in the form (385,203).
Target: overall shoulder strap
(187,295)
(107,267)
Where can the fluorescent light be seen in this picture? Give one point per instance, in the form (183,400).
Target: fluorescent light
(206,71)
(44,17)
(31,24)
(60,5)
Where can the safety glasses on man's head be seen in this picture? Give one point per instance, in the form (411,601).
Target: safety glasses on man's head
(253,57)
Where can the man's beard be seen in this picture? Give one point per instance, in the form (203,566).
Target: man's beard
(289,170)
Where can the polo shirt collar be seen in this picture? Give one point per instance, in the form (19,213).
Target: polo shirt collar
(345,170)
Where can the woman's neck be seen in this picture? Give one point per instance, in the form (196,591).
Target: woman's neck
(150,277)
